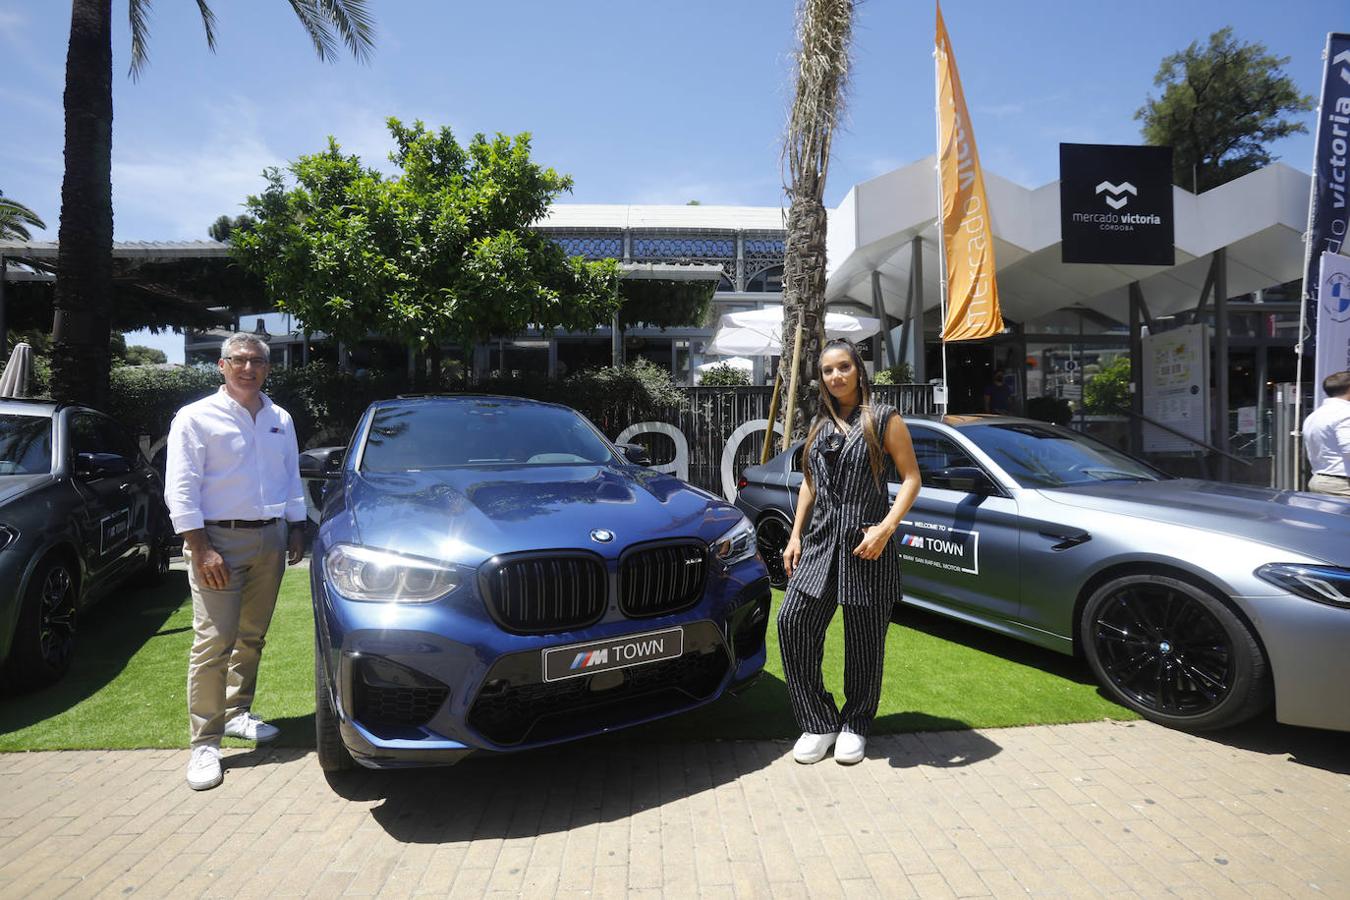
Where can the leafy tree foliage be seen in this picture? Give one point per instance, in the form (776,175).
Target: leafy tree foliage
(1109,390)
(16,219)
(223,227)
(724,375)
(1221,107)
(441,251)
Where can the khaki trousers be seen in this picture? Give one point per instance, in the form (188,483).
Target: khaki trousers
(1327,484)
(230,625)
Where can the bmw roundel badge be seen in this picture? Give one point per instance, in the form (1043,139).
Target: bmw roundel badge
(602,536)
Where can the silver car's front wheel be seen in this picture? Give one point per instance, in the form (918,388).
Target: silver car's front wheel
(1174,653)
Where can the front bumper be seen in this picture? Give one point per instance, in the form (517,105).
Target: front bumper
(420,686)
(1306,644)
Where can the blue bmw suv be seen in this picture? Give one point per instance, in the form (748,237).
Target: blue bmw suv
(491,573)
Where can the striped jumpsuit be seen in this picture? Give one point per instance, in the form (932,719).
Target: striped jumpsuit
(829,575)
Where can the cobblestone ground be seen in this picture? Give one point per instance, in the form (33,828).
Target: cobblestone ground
(1079,810)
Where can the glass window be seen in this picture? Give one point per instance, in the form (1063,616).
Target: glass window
(91,433)
(25,445)
(437,434)
(935,452)
(768,280)
(1044,456)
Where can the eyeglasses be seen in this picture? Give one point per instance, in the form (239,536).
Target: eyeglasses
(239,362)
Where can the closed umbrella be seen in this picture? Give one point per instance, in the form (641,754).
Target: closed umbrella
(757,332)
(18,375)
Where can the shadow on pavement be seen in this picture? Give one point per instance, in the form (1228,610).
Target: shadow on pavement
(1314,747)
(110,634)
(959,746)
(545,791)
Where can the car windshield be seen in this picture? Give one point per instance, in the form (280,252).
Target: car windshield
(25,445)
(439,434)
(1044,456)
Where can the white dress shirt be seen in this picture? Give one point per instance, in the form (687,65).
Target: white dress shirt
(1326,435)
(224,464)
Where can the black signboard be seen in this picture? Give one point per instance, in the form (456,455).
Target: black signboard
(1115,204)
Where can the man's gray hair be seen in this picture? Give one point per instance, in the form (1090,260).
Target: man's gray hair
(244,337)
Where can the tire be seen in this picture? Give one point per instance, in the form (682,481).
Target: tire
(44,637)
(1174,653)
(771,536)
(333,754)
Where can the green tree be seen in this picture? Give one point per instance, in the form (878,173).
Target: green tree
(441,251)
(83,292)
(724,375)
(1221,107)
(15,220)
(1109,390)
(223,227)
(824,33)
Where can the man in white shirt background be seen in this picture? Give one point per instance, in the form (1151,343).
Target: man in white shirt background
(1326,435)
(232,485)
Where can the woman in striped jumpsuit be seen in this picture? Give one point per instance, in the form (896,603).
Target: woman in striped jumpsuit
(845,557)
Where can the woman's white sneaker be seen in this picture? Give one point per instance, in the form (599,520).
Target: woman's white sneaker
(203,771)
(850,748)
(811,748)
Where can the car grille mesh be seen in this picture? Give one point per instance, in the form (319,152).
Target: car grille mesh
(546,593)
(665,579)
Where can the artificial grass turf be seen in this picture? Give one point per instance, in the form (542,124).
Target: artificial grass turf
(127,687)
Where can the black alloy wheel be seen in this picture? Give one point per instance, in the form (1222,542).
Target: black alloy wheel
(1174,653)
(44,638)
(771,537)
(333,754)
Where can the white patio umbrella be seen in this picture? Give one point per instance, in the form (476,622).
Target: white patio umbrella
(758,332)
(17,379)
(736,362)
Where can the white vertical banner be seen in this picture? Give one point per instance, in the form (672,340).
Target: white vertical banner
(1333,320)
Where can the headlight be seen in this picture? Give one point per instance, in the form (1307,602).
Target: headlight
(7,536)
(737,544)
(364,573)
(1325,584)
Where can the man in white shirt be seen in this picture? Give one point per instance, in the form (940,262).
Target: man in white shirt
(1326,434)
(233,489)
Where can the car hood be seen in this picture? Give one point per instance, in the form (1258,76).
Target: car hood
(1303,523)
(467,515)
(13,487)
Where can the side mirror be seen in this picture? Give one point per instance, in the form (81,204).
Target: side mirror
(635,454)
(971,479)
(98,465)
(322,462)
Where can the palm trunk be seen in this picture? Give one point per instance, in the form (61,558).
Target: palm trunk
(84,274)
(825,31)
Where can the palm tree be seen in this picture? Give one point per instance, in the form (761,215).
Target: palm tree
(824,29)
(84,283)
(15,219)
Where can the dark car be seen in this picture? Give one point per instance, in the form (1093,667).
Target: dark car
(1192,600)
(491,573)
(81,512)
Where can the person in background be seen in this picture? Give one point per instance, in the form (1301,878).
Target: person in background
(232,485)
(845,559)
(997,397)
(1326,435)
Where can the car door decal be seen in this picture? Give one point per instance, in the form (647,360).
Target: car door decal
(114,531)
(933,544)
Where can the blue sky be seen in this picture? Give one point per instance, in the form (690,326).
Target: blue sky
(639,102)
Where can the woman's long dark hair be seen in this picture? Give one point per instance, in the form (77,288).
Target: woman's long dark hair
(827,410)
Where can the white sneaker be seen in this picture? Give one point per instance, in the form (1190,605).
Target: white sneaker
(203,772)
(811,748)
(251,728)
(850,748)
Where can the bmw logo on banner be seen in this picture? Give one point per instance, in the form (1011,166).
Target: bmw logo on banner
(1115,204)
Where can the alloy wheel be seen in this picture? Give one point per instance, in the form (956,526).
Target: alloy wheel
(56,624)
(771,537)
(1164,650)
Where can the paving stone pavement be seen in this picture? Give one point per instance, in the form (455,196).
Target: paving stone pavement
(1072,810)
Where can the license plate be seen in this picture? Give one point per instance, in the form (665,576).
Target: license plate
(612,653)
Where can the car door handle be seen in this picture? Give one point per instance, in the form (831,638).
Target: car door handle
(1066,539)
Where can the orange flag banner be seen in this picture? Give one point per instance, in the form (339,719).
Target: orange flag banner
(967,235)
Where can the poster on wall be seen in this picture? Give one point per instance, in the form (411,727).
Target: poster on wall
(1115,204)
(1176,389)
